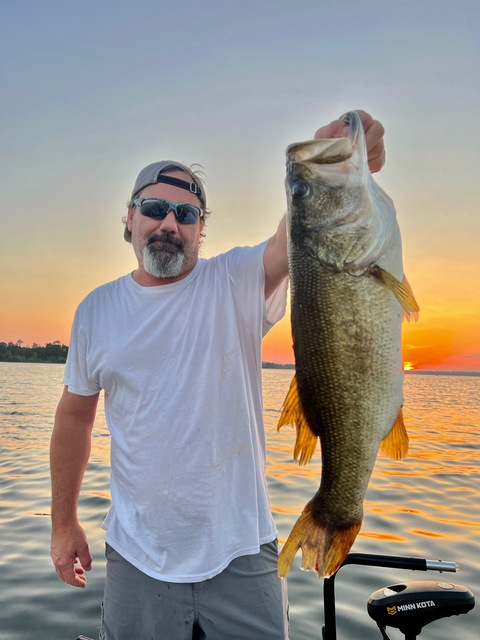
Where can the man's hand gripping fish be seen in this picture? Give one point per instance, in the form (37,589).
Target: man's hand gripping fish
(348,291)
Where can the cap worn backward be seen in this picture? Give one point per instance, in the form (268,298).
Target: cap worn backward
(151,173)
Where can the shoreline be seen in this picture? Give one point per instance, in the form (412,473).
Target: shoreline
(287,367)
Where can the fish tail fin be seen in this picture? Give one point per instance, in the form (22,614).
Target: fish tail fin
(401,290)
(324,547)
(395,444)
(292,413)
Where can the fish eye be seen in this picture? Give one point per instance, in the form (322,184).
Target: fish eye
(300,189)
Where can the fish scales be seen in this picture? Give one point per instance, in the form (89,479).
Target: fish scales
(345,376)
(346,328)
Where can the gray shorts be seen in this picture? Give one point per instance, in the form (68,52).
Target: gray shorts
(247,601)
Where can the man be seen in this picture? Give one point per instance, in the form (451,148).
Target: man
(176,346)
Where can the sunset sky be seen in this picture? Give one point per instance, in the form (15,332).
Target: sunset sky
(92,91)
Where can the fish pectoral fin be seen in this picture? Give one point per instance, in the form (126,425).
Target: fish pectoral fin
(410,313)
(395,444)
(401,290)
(324,547)
(292,413)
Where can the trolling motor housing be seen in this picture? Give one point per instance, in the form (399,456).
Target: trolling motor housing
(409,606)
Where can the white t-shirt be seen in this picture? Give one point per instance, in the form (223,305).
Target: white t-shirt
(180,365)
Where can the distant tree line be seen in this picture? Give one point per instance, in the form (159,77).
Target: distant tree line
(276,365)
(57,352)
(16,352)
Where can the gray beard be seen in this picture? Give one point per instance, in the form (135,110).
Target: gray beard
(162,262)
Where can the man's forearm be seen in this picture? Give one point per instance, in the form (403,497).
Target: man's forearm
(275,259)
(69,453)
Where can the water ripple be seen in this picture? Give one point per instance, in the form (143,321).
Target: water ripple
(427,506)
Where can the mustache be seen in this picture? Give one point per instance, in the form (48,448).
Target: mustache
(167,238)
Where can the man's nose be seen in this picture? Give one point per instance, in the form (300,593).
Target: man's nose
(169,224)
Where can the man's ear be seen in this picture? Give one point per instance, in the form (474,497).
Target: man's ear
(130,219)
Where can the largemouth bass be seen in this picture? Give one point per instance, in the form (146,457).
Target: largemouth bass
(347,294)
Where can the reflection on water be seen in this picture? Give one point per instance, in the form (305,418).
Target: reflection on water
(426,505)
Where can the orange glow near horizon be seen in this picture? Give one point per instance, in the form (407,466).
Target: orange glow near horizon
(432,343)
(445,337)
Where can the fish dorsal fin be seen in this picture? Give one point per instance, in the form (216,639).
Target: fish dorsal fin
(292,413)
(401,290)
(395,444)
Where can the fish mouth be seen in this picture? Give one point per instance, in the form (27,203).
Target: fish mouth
(321,151)
(319,160)
(324,151)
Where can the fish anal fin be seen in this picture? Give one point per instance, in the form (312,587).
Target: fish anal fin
(324,547)
(401,290)
(291,406)
(305,443)
(292,413)
(395,444)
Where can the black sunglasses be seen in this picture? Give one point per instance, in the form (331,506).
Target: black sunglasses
(159,209)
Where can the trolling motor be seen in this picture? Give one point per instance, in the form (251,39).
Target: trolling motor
(408,606)
(412,605)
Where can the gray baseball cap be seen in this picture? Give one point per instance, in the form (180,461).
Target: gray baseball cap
(153,173)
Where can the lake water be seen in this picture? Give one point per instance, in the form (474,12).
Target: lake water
(427,505)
